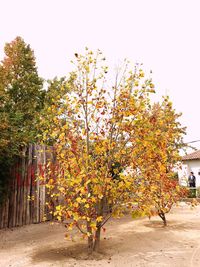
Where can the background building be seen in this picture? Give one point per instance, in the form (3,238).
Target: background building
(191,163)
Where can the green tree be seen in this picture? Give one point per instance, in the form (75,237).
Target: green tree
(21,100)
(56,91)
(23,90)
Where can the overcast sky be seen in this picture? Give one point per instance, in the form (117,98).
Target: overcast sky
(162,34)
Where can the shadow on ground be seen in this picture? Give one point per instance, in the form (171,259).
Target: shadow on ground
(65,253)
(172,225)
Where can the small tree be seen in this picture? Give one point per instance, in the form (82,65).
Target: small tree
(95,130)
(163,143)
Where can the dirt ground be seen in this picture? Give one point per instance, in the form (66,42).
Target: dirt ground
(126,242)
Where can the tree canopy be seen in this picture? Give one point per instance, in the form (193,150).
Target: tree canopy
(106,140)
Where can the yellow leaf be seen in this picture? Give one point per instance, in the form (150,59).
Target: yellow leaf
(99,219)
(100,196)
(76,217)
(59,218)
(93,199)
(76,205)
(78,199)
(89,234)
(58,208)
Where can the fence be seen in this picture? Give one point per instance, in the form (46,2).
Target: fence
(26,197)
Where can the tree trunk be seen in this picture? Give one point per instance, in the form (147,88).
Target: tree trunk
(90,239)
(163,217)
(97,239)
(90,244)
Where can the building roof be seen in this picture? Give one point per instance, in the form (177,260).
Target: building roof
(191,156)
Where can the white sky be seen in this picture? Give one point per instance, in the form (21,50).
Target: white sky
(162,34)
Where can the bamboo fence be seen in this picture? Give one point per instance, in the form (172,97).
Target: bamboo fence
(26,195)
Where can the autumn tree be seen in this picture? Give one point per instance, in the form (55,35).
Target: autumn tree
(95,130)
(163,141)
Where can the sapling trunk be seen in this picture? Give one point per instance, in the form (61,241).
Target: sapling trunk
(163,217)
(94,245)
(100,209)
(97,239)
(90,239)
(90,245)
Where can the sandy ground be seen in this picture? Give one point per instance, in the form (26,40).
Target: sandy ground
(126,242)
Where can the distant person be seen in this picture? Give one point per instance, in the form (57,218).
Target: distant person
(192,180)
